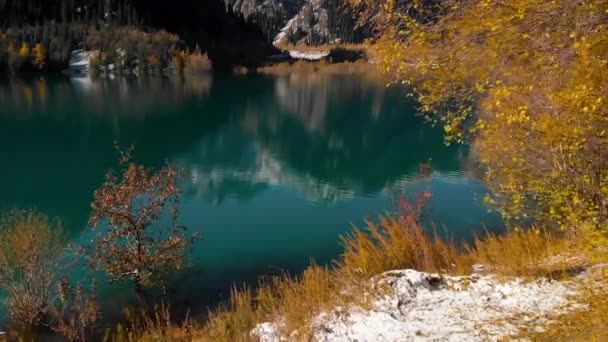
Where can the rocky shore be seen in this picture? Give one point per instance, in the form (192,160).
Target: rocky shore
(430,307)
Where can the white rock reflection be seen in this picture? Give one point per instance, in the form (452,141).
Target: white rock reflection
(210,183)
(310,96)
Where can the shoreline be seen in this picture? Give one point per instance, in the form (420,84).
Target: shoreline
(420,305)
(341,60)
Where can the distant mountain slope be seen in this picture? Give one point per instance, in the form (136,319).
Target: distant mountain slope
(269,15)
(310,22)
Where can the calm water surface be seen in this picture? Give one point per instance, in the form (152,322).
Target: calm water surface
(279,167)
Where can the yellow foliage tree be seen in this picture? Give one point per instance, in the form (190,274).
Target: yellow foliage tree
(178,60)
(153,62)
(39,55)
(24,51)
(197,63)
(524,81)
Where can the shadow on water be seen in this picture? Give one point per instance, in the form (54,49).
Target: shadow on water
(279,167)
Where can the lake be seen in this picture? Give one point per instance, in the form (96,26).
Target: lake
(278,167)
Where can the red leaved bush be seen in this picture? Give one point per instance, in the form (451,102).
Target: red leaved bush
(137,245)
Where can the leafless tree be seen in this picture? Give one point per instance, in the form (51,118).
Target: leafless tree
(31,254)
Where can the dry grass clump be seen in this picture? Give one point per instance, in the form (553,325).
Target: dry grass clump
(299,297)
(151,326)
(233,322)
(589,322)
(292,301)
(395,243)
(529,253)
(197,63)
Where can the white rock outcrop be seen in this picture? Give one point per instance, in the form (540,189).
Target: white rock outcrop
(429,307)
(308,55)
(79,61)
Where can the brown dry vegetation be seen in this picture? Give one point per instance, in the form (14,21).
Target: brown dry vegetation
(143,326)
(587,324)
(31,251)
(197,63)
(322,67)
(392,243)
(343,59)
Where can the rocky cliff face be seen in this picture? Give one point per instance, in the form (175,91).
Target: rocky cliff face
(310,22)
(270,15)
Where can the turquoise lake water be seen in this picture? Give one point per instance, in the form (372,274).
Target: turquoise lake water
(278,167)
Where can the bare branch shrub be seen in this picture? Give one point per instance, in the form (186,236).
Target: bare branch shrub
(31,252)
(76,316)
